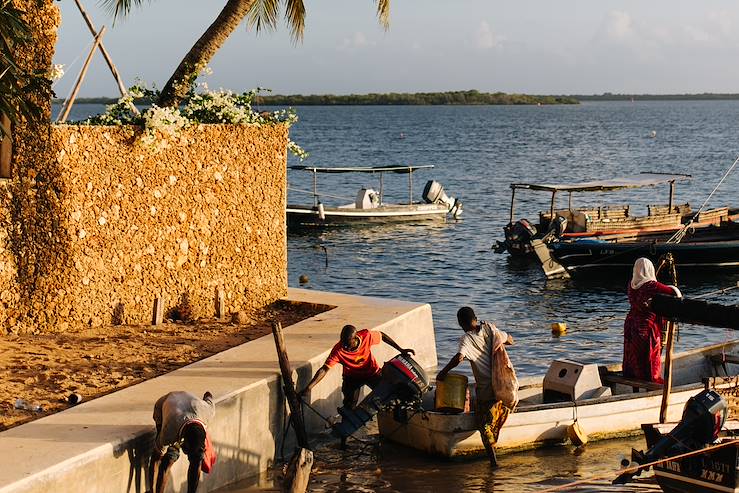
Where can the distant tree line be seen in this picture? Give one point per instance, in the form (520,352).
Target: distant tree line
(418,98)
(471,97)
(608,96)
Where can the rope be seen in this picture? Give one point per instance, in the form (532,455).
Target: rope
(635,469)
(88,47)
(718,291)
(310,192)
(680,234)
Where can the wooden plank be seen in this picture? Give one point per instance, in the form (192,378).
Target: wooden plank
(612,378)
(158,315)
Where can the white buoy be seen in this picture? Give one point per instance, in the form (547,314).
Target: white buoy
(321,212)
(653,134)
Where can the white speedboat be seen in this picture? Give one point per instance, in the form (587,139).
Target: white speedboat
(369,206)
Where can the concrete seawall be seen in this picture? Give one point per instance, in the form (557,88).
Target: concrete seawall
(103,445)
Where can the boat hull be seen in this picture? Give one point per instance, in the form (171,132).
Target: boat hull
(309,217)
(535,425)
(588,255)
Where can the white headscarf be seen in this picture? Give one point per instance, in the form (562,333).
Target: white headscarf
(643,273)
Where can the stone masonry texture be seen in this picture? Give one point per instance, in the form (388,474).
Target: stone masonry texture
(94,226)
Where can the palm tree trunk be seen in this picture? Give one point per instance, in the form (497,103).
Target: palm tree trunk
(203,51)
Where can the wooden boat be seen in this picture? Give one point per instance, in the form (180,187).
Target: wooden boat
(607,223)
(713,471)
(536,422)
(715,246)
(369,206)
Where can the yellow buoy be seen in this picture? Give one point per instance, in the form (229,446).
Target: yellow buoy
(451,393)
(576,434)
(559,328)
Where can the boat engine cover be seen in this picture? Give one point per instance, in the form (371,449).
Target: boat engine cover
(403,382)
(367,198)
(568,380)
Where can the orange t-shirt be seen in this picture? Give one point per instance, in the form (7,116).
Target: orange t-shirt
(359,363)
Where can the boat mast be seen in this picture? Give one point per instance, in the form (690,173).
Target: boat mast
(381,175)
(672,196)
(513,199)
(315,188)
(410,186)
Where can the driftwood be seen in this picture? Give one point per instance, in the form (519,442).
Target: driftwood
(297,474)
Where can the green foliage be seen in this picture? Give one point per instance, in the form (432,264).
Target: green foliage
(15,83)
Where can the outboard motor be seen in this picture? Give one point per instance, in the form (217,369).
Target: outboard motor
(403,382)
(433,193)
(556,228)
(518,238)
(703,417)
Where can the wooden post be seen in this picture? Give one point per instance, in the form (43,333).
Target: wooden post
(104,52)
(81,77)
(6,149)
(668,373)
(220,303)
(551,206)
(672,197)
(298,471)
(293,401)
(410,186)
(513,200)
(158,316)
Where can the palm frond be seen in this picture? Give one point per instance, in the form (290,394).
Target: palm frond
(383,13)
(263,14)
(295,17)
(120,8)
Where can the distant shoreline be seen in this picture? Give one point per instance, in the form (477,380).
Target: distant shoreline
(450,98)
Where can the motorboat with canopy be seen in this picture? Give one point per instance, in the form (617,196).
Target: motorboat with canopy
(369,206)
(606,222)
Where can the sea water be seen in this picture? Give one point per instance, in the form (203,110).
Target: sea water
(477,152)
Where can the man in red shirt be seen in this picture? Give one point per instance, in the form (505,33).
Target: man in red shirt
(354,353)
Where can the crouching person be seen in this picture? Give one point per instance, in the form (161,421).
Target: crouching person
(181,421)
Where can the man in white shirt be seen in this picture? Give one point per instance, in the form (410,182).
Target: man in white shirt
(478,344)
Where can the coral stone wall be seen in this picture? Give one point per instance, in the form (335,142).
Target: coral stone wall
(206,213)
(31,145)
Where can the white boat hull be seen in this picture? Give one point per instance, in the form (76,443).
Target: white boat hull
(533,425)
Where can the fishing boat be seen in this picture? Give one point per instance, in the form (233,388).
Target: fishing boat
(598,398)
(710,247)
(369,206)
(605,222)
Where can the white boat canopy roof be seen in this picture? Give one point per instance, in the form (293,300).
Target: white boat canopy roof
(363,169)
(631,181)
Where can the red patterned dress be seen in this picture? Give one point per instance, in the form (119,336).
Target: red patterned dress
(643,334)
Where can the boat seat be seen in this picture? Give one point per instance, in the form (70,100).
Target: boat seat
(617,378)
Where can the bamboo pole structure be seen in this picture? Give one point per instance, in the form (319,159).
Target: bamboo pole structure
(81,77)
(104,52)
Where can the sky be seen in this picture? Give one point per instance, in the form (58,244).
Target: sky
(519,46)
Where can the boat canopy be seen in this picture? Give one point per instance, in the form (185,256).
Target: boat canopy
(363,169)
(631,181)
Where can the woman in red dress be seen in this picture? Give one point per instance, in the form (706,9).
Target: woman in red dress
(643,327)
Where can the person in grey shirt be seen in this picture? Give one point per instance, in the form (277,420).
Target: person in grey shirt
(181,421)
